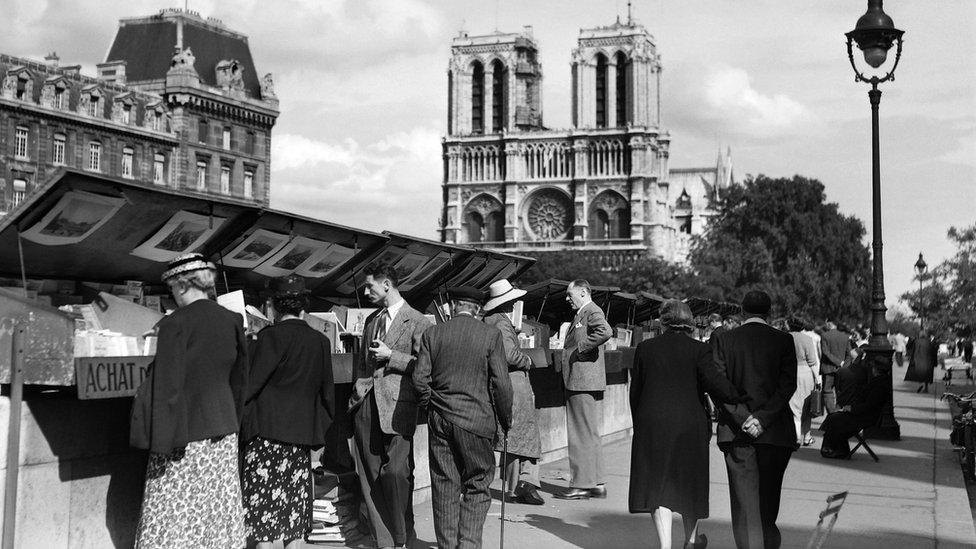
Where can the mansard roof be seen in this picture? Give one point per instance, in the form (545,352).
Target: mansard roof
(147,45)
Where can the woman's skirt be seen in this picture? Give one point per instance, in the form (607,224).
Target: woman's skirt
(277,486)
(193,498)
(805,384)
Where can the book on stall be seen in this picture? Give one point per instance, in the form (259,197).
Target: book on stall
(516,315)
(328,324)
(234,301)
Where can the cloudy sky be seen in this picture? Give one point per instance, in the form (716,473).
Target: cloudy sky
(362,85)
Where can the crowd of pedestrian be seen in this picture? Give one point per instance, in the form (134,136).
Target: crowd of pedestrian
(230,423)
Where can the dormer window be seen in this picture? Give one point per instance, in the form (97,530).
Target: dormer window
(60,98)
(126,114)
(684,201)
(22,88)
(94,102)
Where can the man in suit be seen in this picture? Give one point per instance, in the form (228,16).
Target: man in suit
(384,409)
(462,379)
(585,378)
(757,438)
(834,348)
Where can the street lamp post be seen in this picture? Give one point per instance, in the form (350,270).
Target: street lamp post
(875,34)
(920,268)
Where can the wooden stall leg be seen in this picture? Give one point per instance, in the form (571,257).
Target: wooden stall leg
(13,435)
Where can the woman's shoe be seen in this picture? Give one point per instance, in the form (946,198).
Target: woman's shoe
(808,440)
(701,542)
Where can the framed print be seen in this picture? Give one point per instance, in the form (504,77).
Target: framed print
(255,249)
(77,215)
(183,233)
(326,261)
(407,266)
(291,256)
(429,268)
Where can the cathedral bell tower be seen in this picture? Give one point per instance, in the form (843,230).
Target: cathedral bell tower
(616,77)
(494,84)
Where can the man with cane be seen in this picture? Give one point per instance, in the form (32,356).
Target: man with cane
(461,377)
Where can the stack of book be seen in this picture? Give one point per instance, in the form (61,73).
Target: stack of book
(335,521)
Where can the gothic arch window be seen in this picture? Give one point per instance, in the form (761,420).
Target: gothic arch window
(621,84)
(601,90)
(475,224)
(620,223)
(684,201)
(609,217)
(599,225)
(450,102)
(497,96)
(477,98)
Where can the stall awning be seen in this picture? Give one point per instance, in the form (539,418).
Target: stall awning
(84,226)
(547,301)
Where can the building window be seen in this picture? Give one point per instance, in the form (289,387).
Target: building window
(201,175)
(249,143)
(202,131)
(225,179)
(497,96)
(159,165)
(248,184)
(478,98)
(127,154)
(94,156)
(93,103)
(601,91)
(225,141)
(20,191)
(155,120)
(126,114)
(22,89)
(621,85)
(57,154)
(20,142)
(59,98)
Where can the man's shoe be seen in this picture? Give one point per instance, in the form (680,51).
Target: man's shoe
(701,542)
(600,492)
(574,493)
(527,494)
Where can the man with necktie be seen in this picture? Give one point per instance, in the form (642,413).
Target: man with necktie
(462,379)
(585,378)
(384,408)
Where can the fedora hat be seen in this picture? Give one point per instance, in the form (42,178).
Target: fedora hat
(501,292)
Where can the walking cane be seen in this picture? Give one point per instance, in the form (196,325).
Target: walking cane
(501,538)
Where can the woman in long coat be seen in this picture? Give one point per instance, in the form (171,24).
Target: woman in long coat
(669,455)
(922,356)
(187,415)
(524,445)
(289,408)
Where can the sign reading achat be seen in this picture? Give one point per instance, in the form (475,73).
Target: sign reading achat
(110,376)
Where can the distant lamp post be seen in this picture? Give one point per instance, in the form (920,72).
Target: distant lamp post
(920,268)
(875,34)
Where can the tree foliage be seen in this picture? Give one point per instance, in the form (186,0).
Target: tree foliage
(781,236)
(648,274)
(947,300)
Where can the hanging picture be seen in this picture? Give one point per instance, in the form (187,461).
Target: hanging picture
(183,233)
(291,256)
(255,249)
(407,266)
(77,215)
(326,262)
(421,275)
(390,256)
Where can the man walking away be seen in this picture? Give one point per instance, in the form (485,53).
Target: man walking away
(834,347)
(757,440)
(585,377)
(462,379)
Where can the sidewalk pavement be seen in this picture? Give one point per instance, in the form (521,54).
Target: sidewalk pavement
(914,497)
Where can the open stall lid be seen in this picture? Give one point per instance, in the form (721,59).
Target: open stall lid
(546,301)
(83,226)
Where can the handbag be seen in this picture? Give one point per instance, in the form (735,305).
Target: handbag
(814,401)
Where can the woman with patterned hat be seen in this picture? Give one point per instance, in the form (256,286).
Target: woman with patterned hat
(288,409)
(187,415)
(524,445)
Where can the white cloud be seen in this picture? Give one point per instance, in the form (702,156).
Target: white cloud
(730,93)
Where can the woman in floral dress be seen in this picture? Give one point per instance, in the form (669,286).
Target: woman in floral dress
(289,408)
(187,414)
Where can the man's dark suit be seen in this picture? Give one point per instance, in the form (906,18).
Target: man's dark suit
(462,378)
(834,347)
(761,362)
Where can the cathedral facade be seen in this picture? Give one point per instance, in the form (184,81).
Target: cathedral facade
(603,186)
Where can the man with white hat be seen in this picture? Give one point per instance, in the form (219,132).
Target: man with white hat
(521,469)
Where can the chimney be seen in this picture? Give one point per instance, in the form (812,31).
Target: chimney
(179,34)
(52,59)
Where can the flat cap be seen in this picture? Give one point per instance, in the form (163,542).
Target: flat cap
(466,293)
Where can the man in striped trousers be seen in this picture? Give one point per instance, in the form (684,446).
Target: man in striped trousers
(462,378)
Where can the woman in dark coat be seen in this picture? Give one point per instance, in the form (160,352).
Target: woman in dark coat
(187,415)
(524,444)
(289,408)
(669,456)
(922,356)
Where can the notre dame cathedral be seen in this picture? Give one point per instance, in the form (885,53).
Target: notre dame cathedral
(604,186)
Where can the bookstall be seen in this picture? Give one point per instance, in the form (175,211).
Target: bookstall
(80,291)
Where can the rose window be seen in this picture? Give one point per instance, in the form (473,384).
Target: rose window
(549,214)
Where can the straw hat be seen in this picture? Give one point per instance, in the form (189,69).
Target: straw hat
(501,292)
(186,263)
